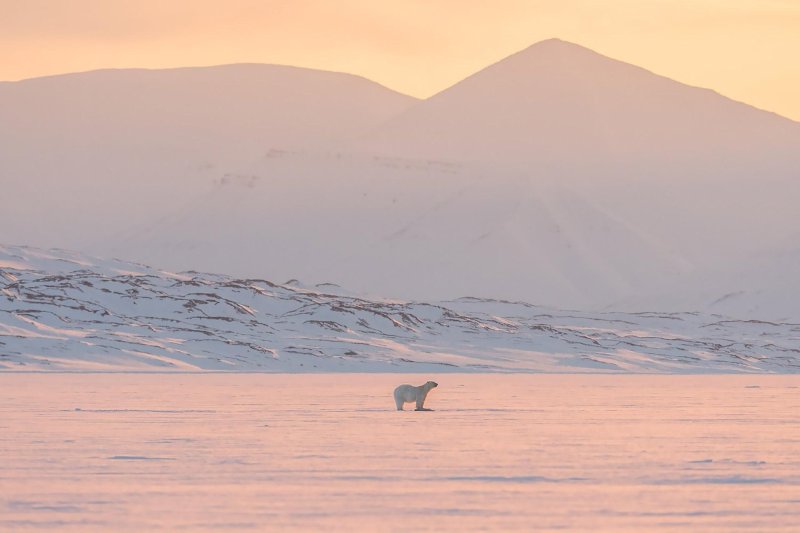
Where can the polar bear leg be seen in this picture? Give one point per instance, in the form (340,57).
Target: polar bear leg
(398,399)
(421,395)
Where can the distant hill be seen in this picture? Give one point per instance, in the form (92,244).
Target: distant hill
(64,311)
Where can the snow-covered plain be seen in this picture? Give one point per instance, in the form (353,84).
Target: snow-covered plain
(262,452)
(64,311)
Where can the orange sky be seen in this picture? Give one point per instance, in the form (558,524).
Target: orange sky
(745,49)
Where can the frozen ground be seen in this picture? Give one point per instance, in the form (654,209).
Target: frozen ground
(262,452)
(62,311)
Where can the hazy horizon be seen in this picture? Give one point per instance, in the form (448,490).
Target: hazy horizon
(742,49)
(391,88)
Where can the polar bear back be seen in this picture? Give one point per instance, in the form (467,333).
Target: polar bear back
(407,393)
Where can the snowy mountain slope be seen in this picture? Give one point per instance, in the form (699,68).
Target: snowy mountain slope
(712,180)
(423,229)
(65,311)
(557,105)
(557,176)
(406,228)
(127,146)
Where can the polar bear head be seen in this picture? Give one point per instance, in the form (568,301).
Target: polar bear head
(431,384)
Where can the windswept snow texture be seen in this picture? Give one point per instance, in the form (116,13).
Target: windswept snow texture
(64,311)
(255,452)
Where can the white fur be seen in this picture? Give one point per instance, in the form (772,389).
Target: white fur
(410,393)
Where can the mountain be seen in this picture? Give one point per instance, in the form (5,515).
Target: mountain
(646,194)
(188,109)
(556,176)
(64,311)
(405,228)
(82,155)
(558,105)
(713,181)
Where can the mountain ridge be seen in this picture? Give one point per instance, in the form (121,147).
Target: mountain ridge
(220,66)
(533,46)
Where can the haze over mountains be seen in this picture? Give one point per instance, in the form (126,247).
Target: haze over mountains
(556,176)
(87,154)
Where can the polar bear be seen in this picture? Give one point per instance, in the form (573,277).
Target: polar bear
(409,393)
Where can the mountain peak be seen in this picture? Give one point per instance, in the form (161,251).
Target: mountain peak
(555,99)
(555,43)
(555,46)
(559,54)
